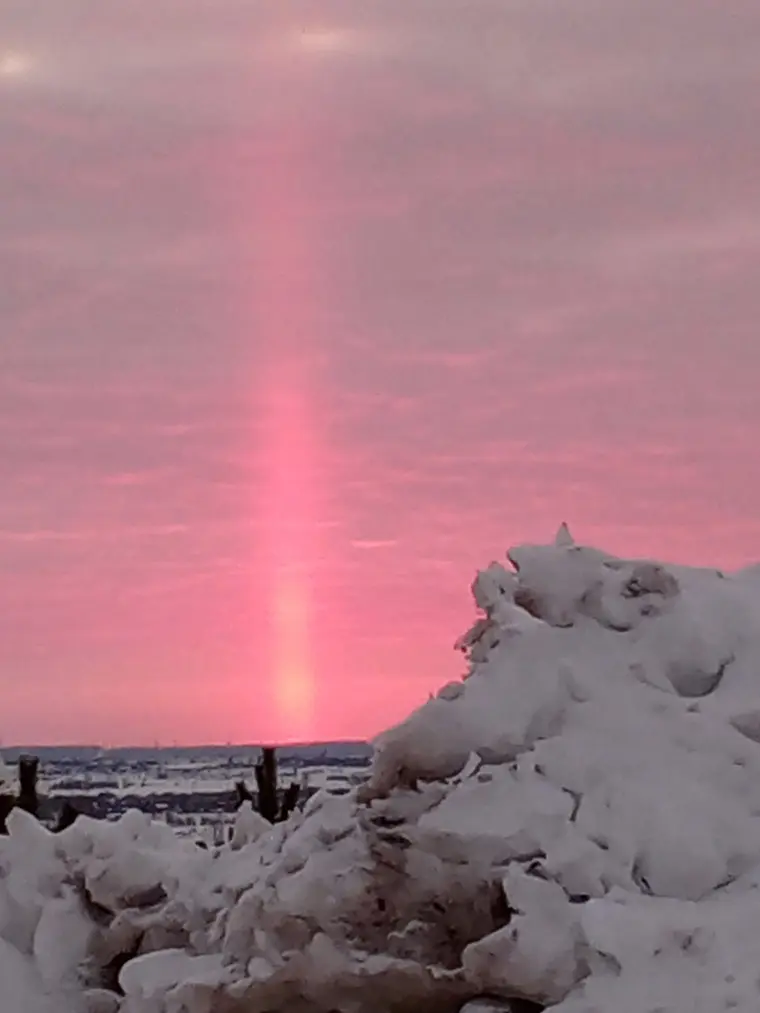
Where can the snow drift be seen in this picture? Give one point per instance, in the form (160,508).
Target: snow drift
(574,826)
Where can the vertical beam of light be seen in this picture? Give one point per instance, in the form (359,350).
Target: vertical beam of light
(283,276)
(289,522)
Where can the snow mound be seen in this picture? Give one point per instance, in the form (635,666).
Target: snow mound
(575,826)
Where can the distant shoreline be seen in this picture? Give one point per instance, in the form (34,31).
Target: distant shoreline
(338,748)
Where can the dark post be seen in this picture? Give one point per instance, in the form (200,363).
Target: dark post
(67,816)
(242,794)
(6,804)
(266,782)
(289,800)
(28,768)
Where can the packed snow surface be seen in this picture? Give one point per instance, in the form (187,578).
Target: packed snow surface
(575,825)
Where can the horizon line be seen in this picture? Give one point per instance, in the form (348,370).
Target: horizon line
(17,747)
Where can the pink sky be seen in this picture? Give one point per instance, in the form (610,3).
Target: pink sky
(309,310)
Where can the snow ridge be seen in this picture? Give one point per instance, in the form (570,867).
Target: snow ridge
(575,825)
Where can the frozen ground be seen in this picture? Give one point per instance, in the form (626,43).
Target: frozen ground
(576,823)
(191,788)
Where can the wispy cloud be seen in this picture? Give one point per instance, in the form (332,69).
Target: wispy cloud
(368,543)
(42,535)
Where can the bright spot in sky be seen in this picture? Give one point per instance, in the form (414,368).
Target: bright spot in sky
(326,40)
(295,681)
(14,63)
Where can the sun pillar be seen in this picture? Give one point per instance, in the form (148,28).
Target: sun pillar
(284,286)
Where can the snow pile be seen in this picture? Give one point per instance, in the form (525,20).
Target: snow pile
(575,824)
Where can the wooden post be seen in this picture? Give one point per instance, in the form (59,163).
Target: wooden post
(7,803)
(28,770)
(289,800)
(266,782)
(67,816)
(274,805)
(242,794)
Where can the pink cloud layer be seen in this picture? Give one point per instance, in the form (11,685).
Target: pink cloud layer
(305,318)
